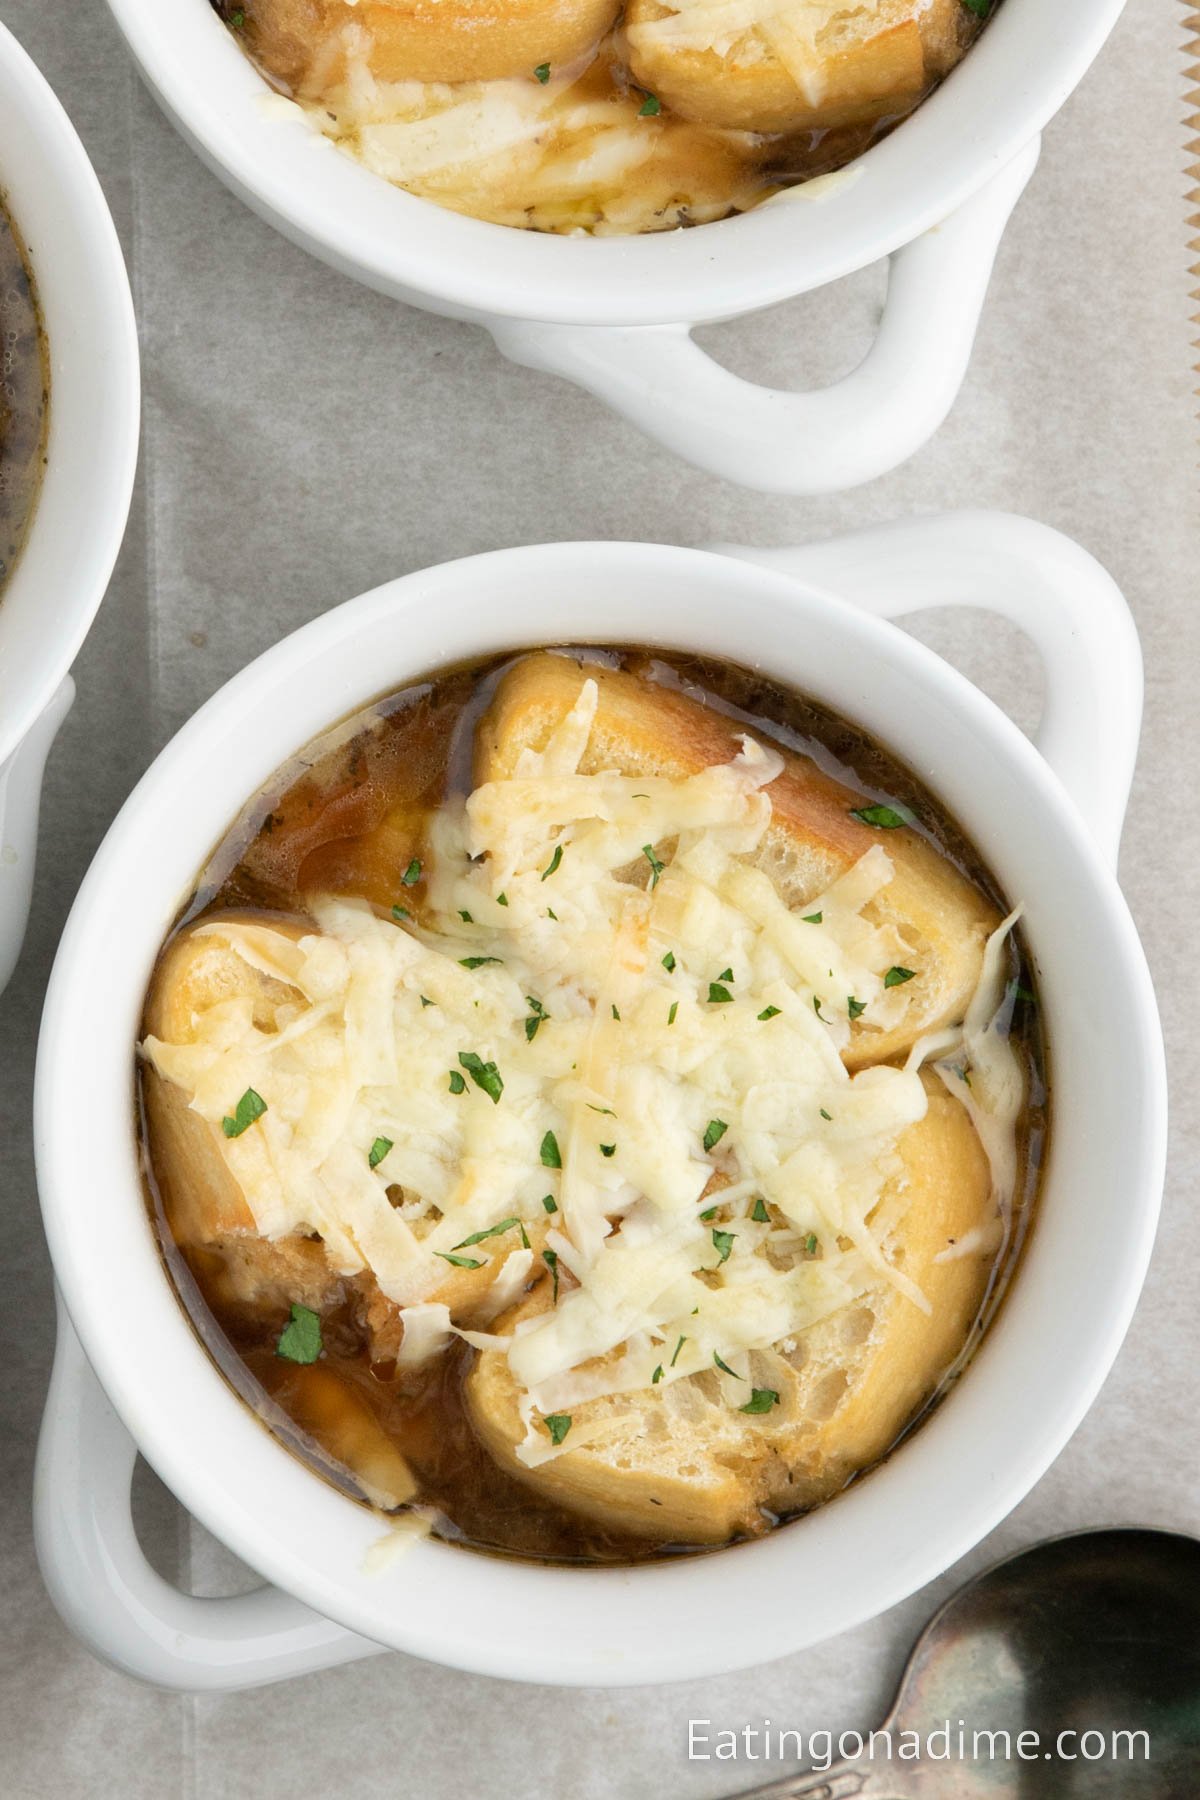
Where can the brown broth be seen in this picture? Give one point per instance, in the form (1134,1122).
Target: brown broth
(24,382)
(344,817)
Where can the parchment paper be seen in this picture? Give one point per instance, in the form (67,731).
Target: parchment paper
(305,439)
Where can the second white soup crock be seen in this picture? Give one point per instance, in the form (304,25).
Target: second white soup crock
(131,1373)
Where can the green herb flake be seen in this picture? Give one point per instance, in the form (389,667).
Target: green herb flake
(718,994)
(425,1001)
(760,1215)
(810,1243)
(549,1203)
(458,1084)
(674,1008)
(550,1258)
(237,18)
(484,1075)
(710,1214)
(713,1133)
(300,1339)
(650,108)
(856,1008)
(817,1009)
(378,1151)
(551,914)
(607,1111)
(896,976)
(250,1107)
(558,1425)
(725,975)
(826,1115)
(656,867)
(412,874)
(501,899)
(725,1368)
(678,1348)
(476,962)
(550,867)
(668,962)
(465,917)
(657,1376)
(400,912)
(981,8)
(460,1262)
(542,73)
(722,1244)
(1015,991)
(551,1154)
(537,1013)
(884,818)
(616,1015)
(769,1012)
(481,1237)
(812,918)
(760,1401)
(608,1149)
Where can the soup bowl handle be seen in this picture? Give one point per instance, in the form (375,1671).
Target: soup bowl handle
(105,1589)
(802,443)
(20,800)
(1042,582)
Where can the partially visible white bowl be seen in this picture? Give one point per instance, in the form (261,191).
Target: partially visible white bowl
(1044,1358)
(61,574)
(605,312)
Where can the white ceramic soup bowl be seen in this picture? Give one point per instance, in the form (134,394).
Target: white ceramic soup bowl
(607,312)
(62,571)
(154,1387)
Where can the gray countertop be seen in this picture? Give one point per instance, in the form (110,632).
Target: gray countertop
(306,439)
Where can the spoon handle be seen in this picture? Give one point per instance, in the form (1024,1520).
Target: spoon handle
(841,1781)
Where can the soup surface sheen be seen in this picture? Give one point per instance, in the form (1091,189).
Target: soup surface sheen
(593,1101)
(604,116)
(23,387)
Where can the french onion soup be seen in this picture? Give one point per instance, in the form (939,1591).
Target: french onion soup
(593,1101)
(604,116)
(24,380)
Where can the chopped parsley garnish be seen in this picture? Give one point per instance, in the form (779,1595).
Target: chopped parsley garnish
(425,1001)
(714,1132)
(817,1009)
(481,1237)
(769,1012)
(476,962)
(484,1075)
(650,108)
(460,1262)
(725,975)
(1015,991)
(237,18)
(657,1376)
(550,1203)
(656,867)
(718,993)
(896,976)
(668,962)
(678,1348)
(550,867)
(616,1015)
(542,73)
(884,818)
(550,1258)
(710,1214)
(300,1339)
(606,1110)
(250,1107)
(537,1013)
(760,1215)
(760,1401)
(825,1115)
(722,1244)
(981,8)
(458,1083)
(674,1008)
(725,1368)
(501,899)
(558,1425)
(810,1243)
(551,914)
(401,912)
(608,1149)
(378,1151)
(812,918)
(465,917)
(856,1008)
(412,874)
(551,1154)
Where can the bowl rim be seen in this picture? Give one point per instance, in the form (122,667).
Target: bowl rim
(442,1603)
(1015,78)
(79,518)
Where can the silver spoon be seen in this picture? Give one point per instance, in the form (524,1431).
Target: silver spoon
(1098,1632)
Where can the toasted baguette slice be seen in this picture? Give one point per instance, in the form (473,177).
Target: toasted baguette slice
(680,1466)
(205,1208)
(308,45)
(642,728)
(872,63)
